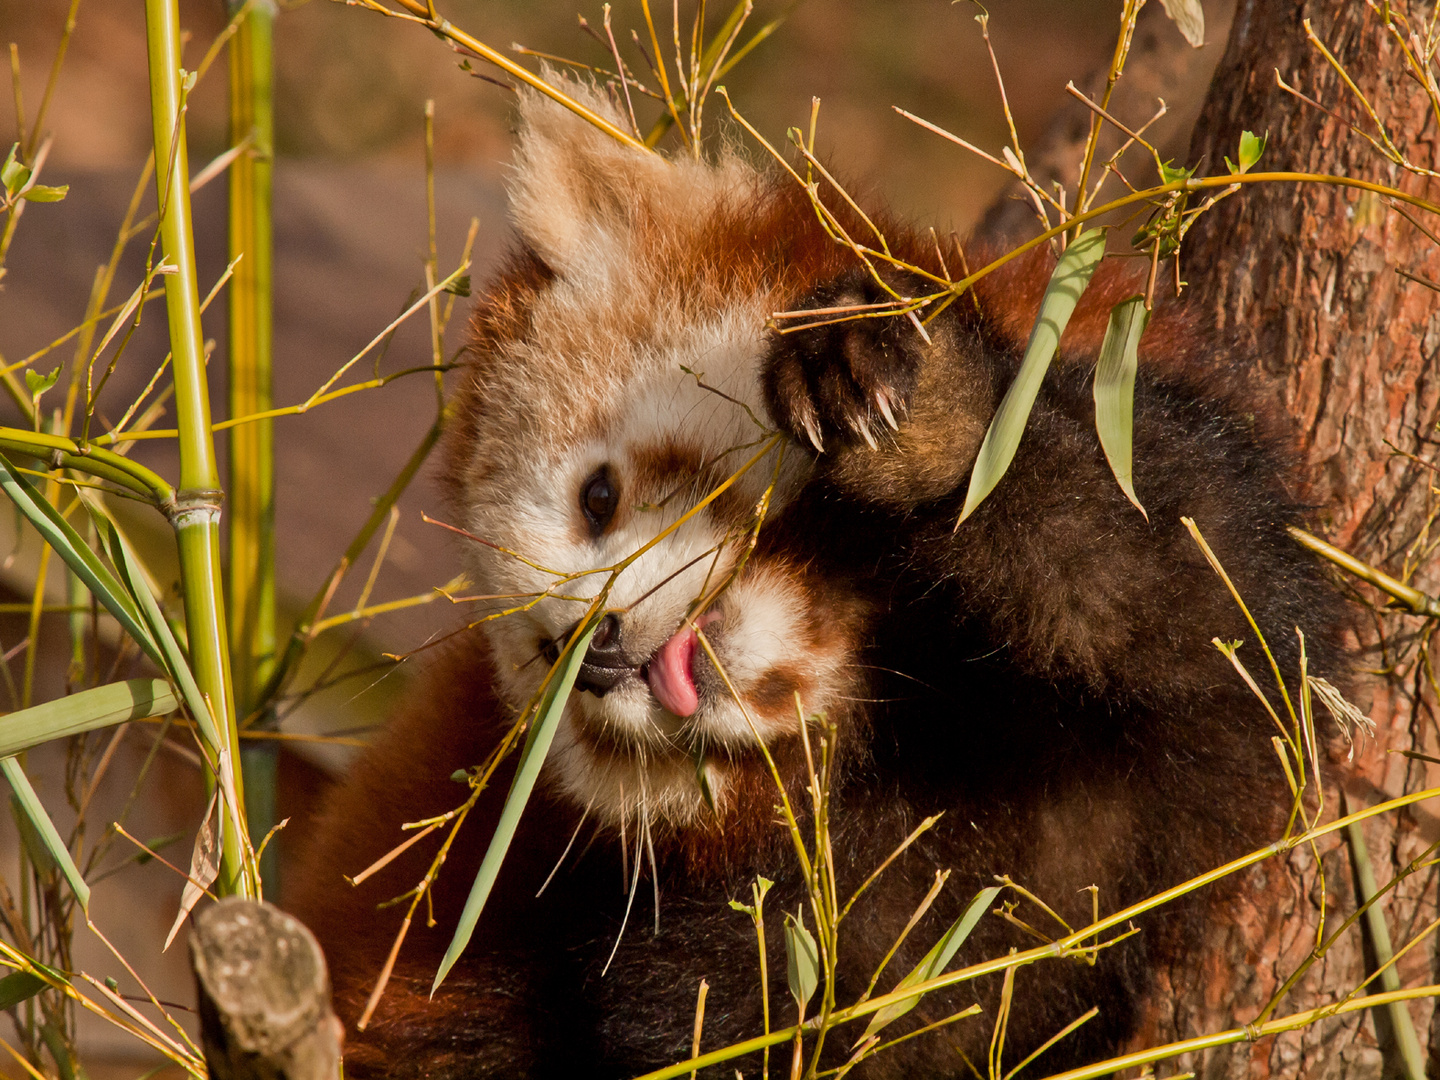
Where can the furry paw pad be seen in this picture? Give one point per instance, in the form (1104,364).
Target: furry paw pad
(846,382)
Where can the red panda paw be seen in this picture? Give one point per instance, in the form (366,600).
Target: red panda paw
(846,376)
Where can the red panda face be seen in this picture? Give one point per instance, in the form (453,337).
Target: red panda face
(613,390)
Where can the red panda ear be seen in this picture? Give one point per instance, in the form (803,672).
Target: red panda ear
(576,192)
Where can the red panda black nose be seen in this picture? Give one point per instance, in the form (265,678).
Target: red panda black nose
(606,663)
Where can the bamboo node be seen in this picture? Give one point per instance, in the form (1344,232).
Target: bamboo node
(196,506)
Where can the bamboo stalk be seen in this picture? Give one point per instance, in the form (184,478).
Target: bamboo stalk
(252,446)
(196,513)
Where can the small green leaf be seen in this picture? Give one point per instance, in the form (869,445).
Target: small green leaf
(12,174)
(1189,19)
(1171,174)
(935,961)
(702,778)
(532,756)
(1251,148)
(21,986)
(1067,283)
(758,889)
(37,384)
(459,287)
(802,959)
(153,846)
(1115,390)
(44,193)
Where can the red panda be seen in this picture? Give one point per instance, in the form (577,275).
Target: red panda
(1042,675)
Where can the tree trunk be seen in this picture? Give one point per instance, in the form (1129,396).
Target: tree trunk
(1304,278)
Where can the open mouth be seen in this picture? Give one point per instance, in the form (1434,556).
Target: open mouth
(669,672)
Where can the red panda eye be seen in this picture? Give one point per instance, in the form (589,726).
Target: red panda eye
(598,499)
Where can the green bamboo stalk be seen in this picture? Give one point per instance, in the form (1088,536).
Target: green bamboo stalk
(252,446)
(196,514)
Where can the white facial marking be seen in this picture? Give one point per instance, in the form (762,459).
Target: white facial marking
(616,368)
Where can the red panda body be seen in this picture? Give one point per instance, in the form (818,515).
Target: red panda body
(1042,676)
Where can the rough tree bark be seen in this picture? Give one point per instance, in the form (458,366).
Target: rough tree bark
(1304,278)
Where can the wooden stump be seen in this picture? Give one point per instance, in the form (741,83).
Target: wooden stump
(264,995)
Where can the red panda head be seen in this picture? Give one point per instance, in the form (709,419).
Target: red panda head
(613,384)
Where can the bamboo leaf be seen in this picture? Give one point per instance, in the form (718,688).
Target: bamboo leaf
(1189,19)
(49,836)
(537,745)
(1411,1053)
(61,536)
(936,960)
(37,384)
(204,868)
(1251,147)
(802,959)
(19,987)
(167,651)
(13,174)
(1067,283)
(45,193)
(1115,391)
(87,710)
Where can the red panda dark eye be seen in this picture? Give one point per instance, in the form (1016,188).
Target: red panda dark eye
(598,499)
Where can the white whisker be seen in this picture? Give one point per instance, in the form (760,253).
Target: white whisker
(654,870)
(561,860)
(634,884)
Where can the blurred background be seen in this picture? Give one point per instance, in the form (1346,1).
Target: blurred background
(350,218)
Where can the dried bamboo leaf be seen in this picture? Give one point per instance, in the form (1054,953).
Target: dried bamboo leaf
(1189,19)
(204,868)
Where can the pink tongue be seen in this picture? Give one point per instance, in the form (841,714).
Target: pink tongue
(672,679)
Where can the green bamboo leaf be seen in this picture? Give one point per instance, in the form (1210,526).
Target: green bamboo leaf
(45,193)
(168,653)
(1115,390)
(61,536)
(1251,147)
(87,710)
(1411,1053)
(49,836)
(12,174)
(1170,173)
(37,384)
(936,960)
(1067,283)
(19,987)
(802,959)
(537,745)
